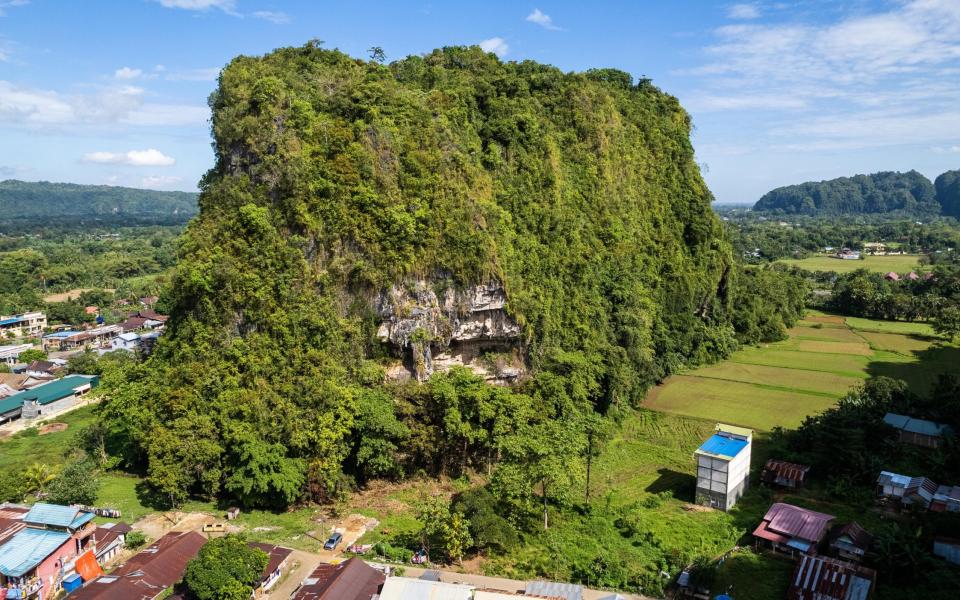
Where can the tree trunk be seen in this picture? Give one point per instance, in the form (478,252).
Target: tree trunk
(546,522)
(589,460)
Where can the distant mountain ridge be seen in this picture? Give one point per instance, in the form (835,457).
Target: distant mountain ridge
(43,202)
(885,192)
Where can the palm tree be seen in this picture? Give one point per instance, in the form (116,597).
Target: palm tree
(37,476)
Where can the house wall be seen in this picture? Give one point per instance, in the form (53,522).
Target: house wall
(951,552)
(49,569)
(721,483)
(919,439)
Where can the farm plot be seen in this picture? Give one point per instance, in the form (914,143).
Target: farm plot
(798,380)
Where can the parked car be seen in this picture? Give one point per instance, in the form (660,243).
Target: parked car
(333,542)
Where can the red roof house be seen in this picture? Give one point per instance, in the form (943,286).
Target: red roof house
(792,529)
(786,474)
(350,580)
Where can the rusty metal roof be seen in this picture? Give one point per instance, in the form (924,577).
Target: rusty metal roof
(858,536)
(780,468)
(820,578)
(350,580)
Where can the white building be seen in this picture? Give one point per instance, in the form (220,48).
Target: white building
(723,466)
(126,341)
(10,355)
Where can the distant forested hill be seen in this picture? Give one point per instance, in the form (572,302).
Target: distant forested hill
(45,203)
(886,192)
(948,193)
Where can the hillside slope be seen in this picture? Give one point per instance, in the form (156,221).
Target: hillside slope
(907,193)
(42,202)
(547,229)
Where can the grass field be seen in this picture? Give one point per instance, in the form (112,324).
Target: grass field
(27,447)
(825,355)
(881,264)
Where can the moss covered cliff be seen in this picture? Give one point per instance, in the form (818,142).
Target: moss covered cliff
(450,205)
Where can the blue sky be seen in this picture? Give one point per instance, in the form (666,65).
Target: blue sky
(780,92)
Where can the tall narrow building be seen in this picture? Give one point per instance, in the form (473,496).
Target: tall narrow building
(723,466)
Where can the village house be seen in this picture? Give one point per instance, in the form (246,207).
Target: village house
(783,473)
(110,539)
(349,580)
(45,368)
(551,589)
(850,541)
(877,248)
(149,573)
(791,529)
(54,396)
(918,432)
(723,467)
(847,254)
(405,588)
(26,324)
(947,548)
(821,578)
(35,559)
(126,341)
(946,499)
(78,340)
(276,563)
(10,355)
(917,491)
(891,276)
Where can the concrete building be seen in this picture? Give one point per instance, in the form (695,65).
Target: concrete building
(10,355)
(723,466)
(56,395)
(32,323)
(99,337)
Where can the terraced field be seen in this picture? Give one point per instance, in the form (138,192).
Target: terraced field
(825,356)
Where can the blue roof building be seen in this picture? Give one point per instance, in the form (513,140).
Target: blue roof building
(723,466)
(27,549)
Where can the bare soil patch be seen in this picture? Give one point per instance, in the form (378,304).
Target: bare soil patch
(52,428)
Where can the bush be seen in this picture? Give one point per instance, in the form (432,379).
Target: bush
(135,539)
(392,553)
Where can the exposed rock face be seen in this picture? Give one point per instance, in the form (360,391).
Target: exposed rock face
(454,326)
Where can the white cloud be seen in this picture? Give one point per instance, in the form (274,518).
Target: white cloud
(127,73)
(45,109)
(206,74)
(202,5)
(497,45)
(743,11)
(856,79)
(4,4)
(543,20)
(159,181)
(275,17)
(150,157)
(946,150)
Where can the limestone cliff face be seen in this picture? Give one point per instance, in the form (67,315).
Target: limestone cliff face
(437,329)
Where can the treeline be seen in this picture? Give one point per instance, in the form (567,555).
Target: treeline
(805,236)
(907,193)
(32,266)
(934,297)
(27,204)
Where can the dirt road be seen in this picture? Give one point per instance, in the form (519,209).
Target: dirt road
(302,564)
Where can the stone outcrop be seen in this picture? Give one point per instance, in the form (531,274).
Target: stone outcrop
(449,326)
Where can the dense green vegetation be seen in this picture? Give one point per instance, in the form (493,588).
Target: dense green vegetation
(226,568)
(24,204)
(886,192)
(44,261)
(948,192)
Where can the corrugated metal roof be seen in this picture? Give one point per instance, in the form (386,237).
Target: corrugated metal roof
(48,392)
(797,522)
(403,588)
(551,589)
(829,579)
(42,513)
(721,445)
(890,478)
(920,426)
(28,549)
(787,470)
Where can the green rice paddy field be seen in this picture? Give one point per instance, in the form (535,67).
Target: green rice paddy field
(882,264)
(824,357)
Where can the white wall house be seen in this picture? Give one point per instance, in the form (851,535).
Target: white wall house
(723,466)
(10,355)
